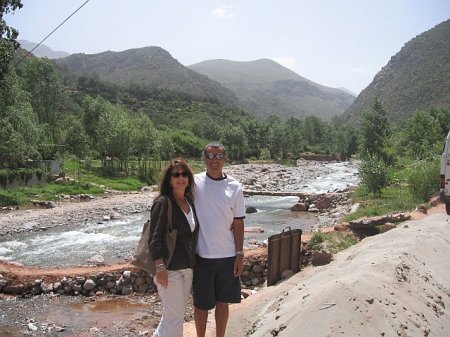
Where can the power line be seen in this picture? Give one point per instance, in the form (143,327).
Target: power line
(54,30)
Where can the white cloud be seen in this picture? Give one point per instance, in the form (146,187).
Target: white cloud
(224,12)
(288,62)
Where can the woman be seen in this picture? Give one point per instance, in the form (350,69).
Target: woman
(174,281)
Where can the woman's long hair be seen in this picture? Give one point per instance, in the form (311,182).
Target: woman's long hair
(166,189)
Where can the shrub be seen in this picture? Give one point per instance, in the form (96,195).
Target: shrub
(423,180)
(374,175)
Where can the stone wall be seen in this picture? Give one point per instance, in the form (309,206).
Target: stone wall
(21,181)
(120,282)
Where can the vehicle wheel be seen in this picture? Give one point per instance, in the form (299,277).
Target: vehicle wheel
(447,208)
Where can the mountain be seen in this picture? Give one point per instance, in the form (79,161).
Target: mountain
(150,66)
(265,88)
(416,78)
(42,50)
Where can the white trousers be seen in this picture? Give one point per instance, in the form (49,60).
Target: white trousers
(174,300)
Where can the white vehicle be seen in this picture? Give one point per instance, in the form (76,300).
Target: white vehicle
(445,175)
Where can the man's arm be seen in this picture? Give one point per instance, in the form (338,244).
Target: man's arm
(238,232)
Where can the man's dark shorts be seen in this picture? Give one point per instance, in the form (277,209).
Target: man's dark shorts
(214,282)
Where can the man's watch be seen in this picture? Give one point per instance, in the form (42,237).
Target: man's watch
(239,252)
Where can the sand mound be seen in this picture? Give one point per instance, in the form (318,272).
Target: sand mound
(392,284)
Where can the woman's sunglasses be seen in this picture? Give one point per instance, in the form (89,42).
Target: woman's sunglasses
(178,174)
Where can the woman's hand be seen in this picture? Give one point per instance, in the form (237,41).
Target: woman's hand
(162,278)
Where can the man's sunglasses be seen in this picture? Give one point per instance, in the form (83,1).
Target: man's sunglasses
(178,174)
(215,155)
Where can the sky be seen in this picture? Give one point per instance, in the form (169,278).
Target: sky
(335,43)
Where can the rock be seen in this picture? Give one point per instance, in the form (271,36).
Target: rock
(32,327)
(89,285)
(253,229)
(299,207)
(127,290)
(287,273)
(321,258)
(251,209)
(387,227)
(46,288)
(97,259)
(115,215)
(354,208)
(324,203)
(422,209)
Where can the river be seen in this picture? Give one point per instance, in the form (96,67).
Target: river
(115,240)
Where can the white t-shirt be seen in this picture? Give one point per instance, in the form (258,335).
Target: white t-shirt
(217,203)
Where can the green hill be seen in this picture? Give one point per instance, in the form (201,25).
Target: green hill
(149,66)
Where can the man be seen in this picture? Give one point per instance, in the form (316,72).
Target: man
(219,202)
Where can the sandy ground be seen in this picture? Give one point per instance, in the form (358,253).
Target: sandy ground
(392,284)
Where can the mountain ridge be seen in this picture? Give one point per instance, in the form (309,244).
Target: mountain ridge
(265,87)
(42,50)
(150,66)
(415,78)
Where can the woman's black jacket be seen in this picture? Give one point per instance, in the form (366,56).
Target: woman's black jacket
(184,253)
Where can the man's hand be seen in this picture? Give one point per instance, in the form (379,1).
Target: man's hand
(238,267)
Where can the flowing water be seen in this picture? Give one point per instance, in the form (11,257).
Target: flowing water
(115,240)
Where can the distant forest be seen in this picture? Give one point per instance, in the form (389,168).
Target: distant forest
(46,115)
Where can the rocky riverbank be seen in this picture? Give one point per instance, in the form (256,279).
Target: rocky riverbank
(254,177)
(50,314)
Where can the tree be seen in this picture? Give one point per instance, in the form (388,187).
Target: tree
(234,139)
(295,142)
(421,134)
(20,132)
(375,130)
(8,37)
(42,82)
(77,140)
(374,175)
(114,137)
(186,144)
(275,137)
(345,141)
(442,116)
(92,109)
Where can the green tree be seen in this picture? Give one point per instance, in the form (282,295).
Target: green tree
(421,135)
(167,148)
(442,116)
(254,133)
(92,108)
(77,140)
(42,82)
(186,144)
(374,176)
(115,137)
(276,138)
(233,137)
(345,141)
(314,131)
(375,130)
(295,142)
(20,132)
(8,38)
